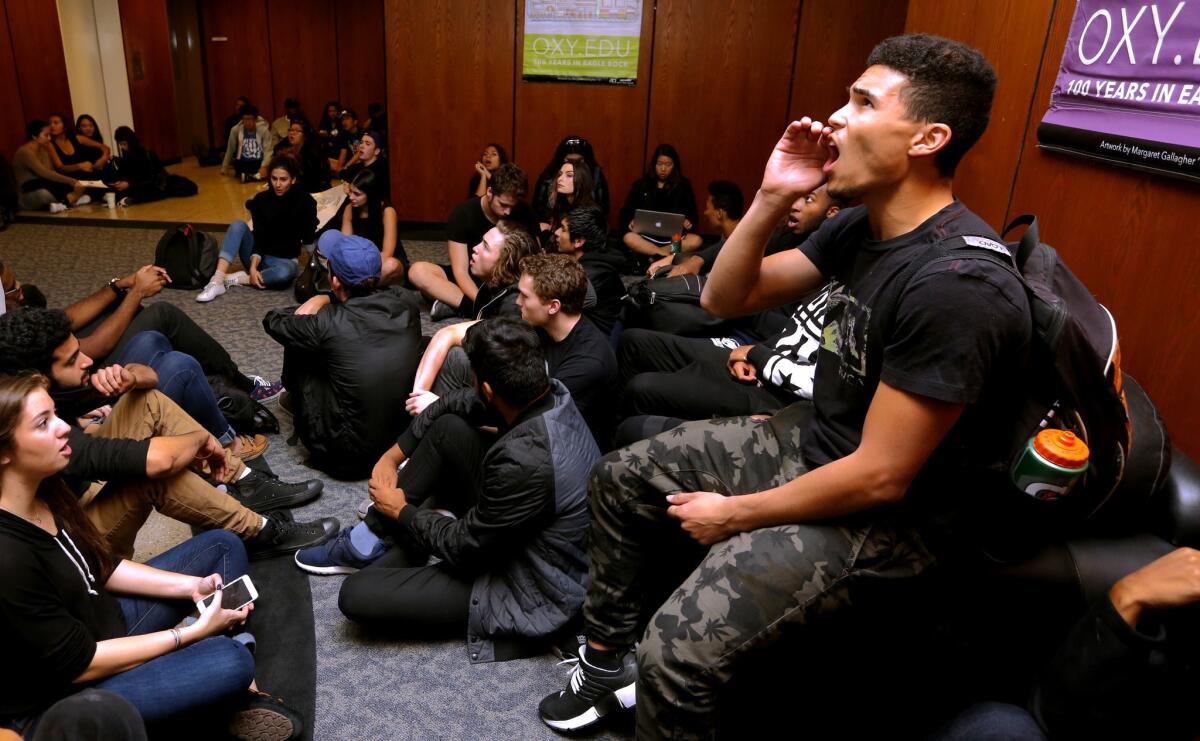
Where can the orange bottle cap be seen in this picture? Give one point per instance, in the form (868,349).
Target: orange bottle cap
(676,237)
(1061,448)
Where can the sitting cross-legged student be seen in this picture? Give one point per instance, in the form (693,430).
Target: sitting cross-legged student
(512,547)
(73,154)
(107,320)
(550,296)
(348,359)
(453,287)
(722,211)
(782,524)
(369,215)
(285,220)
(250,146)
(40,185)
(76,616)
(583,234)
(142,445)
(661,188)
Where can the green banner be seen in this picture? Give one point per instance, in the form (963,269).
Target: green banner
(581,57)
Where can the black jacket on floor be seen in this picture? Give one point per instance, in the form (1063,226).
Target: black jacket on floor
(526,536)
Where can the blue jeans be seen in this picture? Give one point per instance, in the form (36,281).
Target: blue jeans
(181,379)
(277,272)
(211,671)
(991,721)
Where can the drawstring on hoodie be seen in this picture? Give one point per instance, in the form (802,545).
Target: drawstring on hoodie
(81,565)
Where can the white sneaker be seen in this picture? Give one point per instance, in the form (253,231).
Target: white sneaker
(240,278)
(211,291)
(83,200)
(57,208)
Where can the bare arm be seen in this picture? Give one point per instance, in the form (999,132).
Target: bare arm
(460,263)
(105,152)
(141,580)
(741,281)
(901,431)
(146,282)
(388,248)
(348,220)
(169,455)
(435,354)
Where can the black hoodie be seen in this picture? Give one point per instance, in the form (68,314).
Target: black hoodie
(603,268)
(52,612)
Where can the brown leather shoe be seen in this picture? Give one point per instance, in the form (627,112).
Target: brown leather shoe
(249,447)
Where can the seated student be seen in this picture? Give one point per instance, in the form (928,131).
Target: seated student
(722,212)
(810,517)
(73,154)
(551,293)
(302,144)
(572,149)
(76,615)
(451,287)
(348,359)
(285,220)
(572,189)
(513,560)
(583,234)
(344,143)
(233,119)
(136,174)
(369,215)
(369,156)
(279,127)
(249,148)
(493,156)
(39,184)
(142,446)
(662,188)
(108,319)
(85,126)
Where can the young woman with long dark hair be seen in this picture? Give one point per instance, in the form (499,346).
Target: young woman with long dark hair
(369,215)
(74,154)
(493,156)
(72,616)
(661,188)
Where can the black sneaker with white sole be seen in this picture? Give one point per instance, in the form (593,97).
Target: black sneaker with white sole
(282,535)
(263,493)
(591,694)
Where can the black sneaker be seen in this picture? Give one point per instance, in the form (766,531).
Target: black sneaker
(281,535)
(265,718)
(262,492)
(591,694)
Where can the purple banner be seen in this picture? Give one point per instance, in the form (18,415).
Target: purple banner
(1128,89)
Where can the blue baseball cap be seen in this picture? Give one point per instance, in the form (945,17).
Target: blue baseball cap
(352,259)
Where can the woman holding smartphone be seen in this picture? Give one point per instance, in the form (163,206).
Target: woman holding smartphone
(73,617)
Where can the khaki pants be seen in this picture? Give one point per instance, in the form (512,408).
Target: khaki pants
(119,508)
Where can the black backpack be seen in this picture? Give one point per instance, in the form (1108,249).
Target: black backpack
(671,305)
(1075,382)
(188,255)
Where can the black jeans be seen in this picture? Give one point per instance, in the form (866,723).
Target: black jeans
(685,377)
(398,591)
(187,337)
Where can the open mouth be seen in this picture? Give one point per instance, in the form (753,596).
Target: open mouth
(834,154)
(65,451)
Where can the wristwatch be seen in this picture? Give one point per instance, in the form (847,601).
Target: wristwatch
(115,288)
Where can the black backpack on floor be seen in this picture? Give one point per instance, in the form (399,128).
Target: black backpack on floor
(188,255)
(1074,382)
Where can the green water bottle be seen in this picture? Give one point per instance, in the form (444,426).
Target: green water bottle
(1051,463)
(676,244)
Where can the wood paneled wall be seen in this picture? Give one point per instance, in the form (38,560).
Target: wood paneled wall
(304,49)
(36,83)
(715,79)
(151,82)
(1127,235)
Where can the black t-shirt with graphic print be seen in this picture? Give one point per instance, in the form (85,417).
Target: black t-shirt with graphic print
(960,334)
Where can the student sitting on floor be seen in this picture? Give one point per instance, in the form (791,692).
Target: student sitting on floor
(74,615)
(550,296)
(662,188)
(722,212)
(40,186)
(142,444)
(452,287)
(345,142)
(250,146)
(493,156)
(512,566)
(301,143)
(73,154)
(583,234)
(285,220)
(572,189)
(369,156)
(369,215)
(348,360)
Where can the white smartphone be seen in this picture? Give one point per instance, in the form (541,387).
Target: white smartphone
(234,596)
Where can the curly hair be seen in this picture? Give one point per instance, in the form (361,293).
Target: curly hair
(29,337)
(948,83)
(518,244)
(557,277)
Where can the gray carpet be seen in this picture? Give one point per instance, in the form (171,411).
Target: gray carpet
(366,687)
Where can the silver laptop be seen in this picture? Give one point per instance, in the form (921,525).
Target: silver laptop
(657,223)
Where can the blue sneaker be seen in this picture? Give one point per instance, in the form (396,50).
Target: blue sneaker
(337,556)
(265,390)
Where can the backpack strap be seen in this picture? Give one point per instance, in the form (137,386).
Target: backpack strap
(1029,240)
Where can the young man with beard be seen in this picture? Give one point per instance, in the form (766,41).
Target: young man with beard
(800,515)
(143,446)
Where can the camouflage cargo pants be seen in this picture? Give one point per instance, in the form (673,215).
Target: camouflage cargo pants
(728,600)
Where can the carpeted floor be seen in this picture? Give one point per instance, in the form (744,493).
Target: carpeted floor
(367,687)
